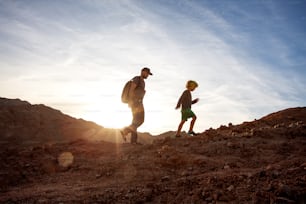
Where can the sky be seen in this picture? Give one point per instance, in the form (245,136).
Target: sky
(248,57)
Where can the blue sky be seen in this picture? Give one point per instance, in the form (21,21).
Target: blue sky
(75,55)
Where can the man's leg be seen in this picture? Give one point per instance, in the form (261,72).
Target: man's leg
(138,119)
(134,138)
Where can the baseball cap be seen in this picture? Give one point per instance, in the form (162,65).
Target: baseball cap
(147,70)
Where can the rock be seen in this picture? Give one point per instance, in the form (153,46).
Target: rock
(230,188)
(185,173)
(229,144)
(269,167)
(165,178)
(303,165)
(226,167)
(284,200)
(65,159)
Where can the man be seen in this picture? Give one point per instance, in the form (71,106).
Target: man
(136,94)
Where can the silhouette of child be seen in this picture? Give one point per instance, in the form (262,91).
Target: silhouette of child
(186,101)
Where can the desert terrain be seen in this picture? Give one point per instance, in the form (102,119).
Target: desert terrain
(50,157)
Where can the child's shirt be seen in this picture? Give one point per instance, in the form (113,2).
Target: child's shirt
(185,100)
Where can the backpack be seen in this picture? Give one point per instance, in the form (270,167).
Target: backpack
(125,96)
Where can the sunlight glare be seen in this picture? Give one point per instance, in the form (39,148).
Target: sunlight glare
(108,114)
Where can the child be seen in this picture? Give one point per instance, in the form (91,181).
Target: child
(186,101)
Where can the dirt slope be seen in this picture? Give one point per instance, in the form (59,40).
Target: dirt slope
(25,124)
(263,161)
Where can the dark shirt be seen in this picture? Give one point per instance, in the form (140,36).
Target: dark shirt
(140,88)
(185,100)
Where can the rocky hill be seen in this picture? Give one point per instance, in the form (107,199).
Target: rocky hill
(25,124)
(263,161)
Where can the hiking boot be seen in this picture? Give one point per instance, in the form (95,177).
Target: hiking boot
(192,133)
(136,143)
(123,135)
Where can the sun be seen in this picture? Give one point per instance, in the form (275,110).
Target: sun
(109,114)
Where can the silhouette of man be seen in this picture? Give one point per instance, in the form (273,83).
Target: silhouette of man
(136,95)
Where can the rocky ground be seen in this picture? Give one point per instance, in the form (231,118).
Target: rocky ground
(263,161)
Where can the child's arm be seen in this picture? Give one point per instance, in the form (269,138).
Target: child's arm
(179,102)
(195,100)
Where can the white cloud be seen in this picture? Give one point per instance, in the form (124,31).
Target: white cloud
(86,59)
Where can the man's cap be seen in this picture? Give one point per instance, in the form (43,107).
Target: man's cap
(147,70)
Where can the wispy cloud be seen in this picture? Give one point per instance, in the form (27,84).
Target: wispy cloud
(85,51)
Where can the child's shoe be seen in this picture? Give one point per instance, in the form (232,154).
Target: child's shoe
(192,133)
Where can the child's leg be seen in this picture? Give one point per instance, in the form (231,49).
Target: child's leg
(192,123)
(180,127)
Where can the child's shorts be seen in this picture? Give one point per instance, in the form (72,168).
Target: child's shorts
(187,113)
